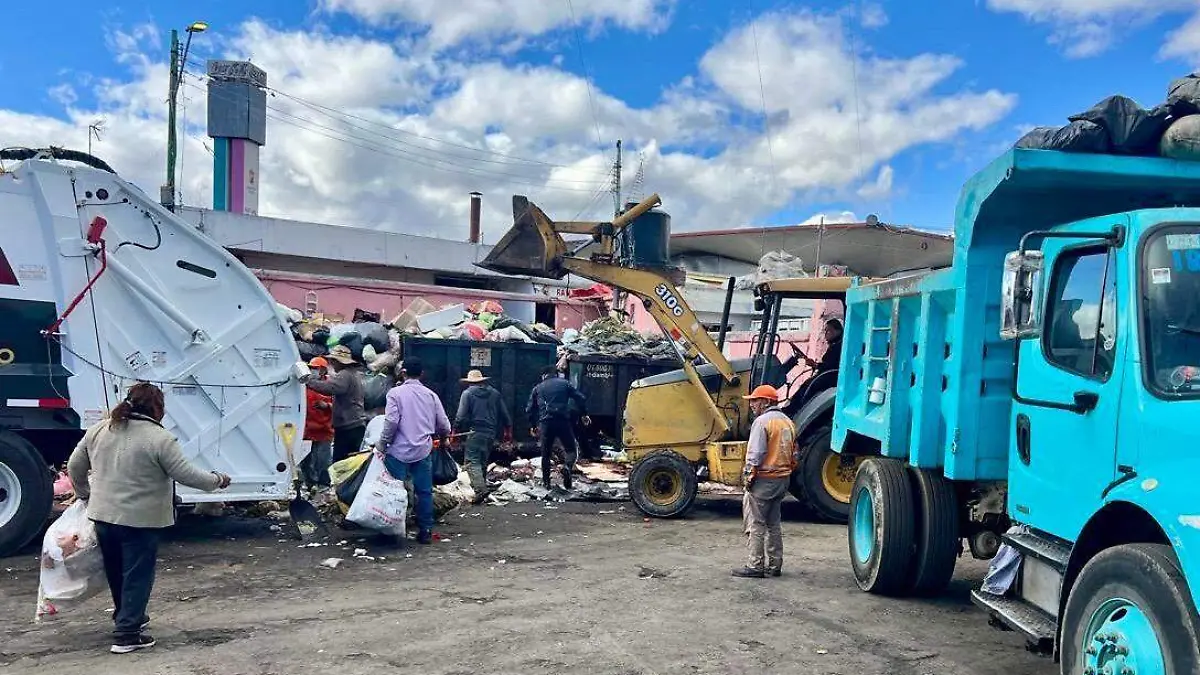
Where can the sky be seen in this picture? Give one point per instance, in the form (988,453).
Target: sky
(387,113)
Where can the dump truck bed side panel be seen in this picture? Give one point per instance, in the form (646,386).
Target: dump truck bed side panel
(922,377)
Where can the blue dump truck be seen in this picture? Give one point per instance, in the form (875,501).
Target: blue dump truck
(1043,392)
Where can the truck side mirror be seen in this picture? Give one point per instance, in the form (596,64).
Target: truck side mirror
(1021,288)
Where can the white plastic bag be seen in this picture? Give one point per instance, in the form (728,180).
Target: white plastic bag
(382,501)
(72,567)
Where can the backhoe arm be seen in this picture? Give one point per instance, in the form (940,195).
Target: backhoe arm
(664,302)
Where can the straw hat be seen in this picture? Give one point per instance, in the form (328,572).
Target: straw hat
(475,377)
(341,354)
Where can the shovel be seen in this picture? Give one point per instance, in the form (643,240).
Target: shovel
(303,513)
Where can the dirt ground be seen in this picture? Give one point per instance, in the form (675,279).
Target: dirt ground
(580,588)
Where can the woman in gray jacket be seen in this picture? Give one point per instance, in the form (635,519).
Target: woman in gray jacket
(133,464)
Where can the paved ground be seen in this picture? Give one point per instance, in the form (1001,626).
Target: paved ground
(584,588)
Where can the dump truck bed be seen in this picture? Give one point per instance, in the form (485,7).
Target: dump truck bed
(924,372)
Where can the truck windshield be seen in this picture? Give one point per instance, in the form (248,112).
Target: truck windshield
(1171,310)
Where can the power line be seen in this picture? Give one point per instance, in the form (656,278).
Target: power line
(332,112)
(587,75)
(372,143)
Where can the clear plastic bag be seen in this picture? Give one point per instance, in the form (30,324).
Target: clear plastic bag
(381,503)
(72,567)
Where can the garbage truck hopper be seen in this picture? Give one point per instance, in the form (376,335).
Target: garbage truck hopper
(100,288)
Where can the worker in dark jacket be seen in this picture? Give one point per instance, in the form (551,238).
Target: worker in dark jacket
(550,405)
(482,413)
(346,388)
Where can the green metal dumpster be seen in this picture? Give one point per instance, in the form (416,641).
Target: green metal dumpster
(515,368)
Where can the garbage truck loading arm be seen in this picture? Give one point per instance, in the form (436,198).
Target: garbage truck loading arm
(535,247)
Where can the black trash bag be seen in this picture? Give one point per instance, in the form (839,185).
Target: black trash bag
(348,489)
(1132,130)
(445,469)
(374,334)
(1075,137)
(363,316)
(504,321)
(320,336)
(354,342)
(375,389)
(1183,96)
(309,351)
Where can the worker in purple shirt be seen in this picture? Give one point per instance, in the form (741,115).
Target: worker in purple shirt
(414,416)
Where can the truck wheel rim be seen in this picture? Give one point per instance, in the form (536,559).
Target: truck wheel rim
(663,487)
(864,527)
(1121,640)
(10,494)
(837,476)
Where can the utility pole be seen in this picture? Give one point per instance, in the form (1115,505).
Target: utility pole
(616,189)
(820,236)
(178,64)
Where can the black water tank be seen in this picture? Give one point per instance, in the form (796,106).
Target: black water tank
(646,241)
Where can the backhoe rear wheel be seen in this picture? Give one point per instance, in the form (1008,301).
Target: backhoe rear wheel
(26,493)
(824,480)
(663,485)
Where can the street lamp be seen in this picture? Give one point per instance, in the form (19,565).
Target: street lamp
(178,64)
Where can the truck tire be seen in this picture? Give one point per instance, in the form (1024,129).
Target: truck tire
(663,485)
(26,493)
(938,541)
(1131,599)
(824,480)
(881,527)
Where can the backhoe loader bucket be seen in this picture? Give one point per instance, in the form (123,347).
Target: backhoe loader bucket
(531,247)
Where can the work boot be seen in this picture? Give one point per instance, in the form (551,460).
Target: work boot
(748,573)
(775,572)
(546,481)
(425,537)
(566,475)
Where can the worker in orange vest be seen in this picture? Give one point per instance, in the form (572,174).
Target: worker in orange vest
(770,459)
(318,428)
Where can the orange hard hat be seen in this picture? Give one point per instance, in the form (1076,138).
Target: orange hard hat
(318,362)
(764,391)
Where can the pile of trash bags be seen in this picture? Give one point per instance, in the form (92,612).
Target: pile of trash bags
(379,346)
(1118,125)
(612,337)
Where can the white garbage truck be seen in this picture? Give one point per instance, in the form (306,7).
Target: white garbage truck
(101,287)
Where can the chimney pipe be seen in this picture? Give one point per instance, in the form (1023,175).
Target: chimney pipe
(473,232)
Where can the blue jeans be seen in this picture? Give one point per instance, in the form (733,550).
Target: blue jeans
(421,475)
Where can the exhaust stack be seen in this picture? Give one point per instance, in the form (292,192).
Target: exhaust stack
(476,205)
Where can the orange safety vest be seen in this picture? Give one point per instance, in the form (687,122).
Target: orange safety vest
(780,458)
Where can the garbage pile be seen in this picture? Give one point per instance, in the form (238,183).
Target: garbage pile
(378,345)
(1118,125)
(611,337)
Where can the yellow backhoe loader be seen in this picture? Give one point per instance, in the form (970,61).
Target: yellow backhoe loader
(681,422)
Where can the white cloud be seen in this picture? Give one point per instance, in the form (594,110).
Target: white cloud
(1084,28)
(450,23)
(430,126)
(1184,42)
(832,218)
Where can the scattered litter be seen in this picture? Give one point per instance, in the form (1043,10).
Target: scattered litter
(651,573)
(822,651)
(331,563)
(407,555)
(501,561)
(360,552)
(606,512)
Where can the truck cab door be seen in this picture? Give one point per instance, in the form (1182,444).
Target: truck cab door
(1061,459)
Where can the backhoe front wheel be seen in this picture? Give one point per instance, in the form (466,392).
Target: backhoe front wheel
(663,485)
